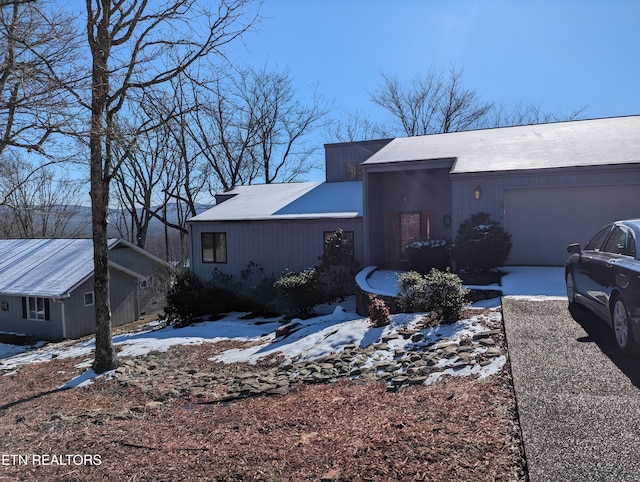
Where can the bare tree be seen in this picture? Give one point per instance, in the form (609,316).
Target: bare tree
(37,203)
(281,122)
(526,114)
(432,104)
(38,54)
(251,127)
(354,126)
(135,46)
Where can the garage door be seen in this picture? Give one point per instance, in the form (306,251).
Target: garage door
(542,222)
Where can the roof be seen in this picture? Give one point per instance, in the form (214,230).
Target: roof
(542,146)
(298,200)
(48,268)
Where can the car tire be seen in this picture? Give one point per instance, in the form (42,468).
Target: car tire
(621,326)
(571,289)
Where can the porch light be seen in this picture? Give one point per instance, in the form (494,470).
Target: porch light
(477,192)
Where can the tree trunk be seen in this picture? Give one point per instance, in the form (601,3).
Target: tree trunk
(105,355)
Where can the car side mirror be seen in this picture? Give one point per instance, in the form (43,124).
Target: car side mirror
(574,248)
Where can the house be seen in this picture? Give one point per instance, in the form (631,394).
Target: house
(547,184)
(279,227)
(46,285)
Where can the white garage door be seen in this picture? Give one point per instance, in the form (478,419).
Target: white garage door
(543,222)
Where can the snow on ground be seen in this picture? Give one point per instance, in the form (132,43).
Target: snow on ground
(321,336)
(330,332)
(519,281)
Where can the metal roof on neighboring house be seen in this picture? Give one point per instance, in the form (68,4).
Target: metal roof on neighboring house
(595,142)
(298,200)
(48,268)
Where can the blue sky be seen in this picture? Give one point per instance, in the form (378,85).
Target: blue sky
(563,54)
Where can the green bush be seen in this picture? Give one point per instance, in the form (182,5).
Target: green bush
(440,292)
(481,244)
(185,299)
(256,293)
(189,298)
(412,293)
(445,294)
(426,255)
(299,292)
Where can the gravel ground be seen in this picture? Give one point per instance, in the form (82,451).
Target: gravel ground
(578,398)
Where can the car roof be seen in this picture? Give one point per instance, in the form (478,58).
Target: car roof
(634,224)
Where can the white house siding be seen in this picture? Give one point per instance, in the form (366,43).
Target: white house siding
(275,245)
(545,210)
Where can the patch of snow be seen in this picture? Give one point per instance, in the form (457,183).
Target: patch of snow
(534,281)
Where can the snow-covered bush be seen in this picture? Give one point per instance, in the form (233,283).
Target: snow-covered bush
(425,255)
(481,244)
(379,313)
(440,292)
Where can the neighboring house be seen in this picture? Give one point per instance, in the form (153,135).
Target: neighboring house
(548,185)
(46,285)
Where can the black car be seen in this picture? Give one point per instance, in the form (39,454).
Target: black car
(605,277)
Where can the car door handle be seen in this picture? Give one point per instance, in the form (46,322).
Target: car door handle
(611,263)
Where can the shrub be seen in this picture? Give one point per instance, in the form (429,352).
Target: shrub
(256,293)
(379,313)
(446,296)
(425,255)
(221,293)
(412,293)
(438,291)
(185,299)
(338,266)
(299,292)
(481,244)
(189,299)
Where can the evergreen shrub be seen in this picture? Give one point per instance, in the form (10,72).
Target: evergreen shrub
(481,244)
(438,291)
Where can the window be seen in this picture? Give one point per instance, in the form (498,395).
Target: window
(89,299)
(596,242)
(621,242)
(214,247)
(352,171)
(413,227)
(35,308)
(338,247)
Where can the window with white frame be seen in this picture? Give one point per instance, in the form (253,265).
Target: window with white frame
(89,298)
(35,308)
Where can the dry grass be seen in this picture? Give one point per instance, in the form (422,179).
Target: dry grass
(456,429)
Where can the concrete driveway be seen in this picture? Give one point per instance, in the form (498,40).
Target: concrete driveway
(578,398)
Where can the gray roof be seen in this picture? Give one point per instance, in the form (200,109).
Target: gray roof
(48,268)
(298,200)
(594,142)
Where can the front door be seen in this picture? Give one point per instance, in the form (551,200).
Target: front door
(404,228)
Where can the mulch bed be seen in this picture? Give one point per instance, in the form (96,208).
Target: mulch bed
(457,429)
